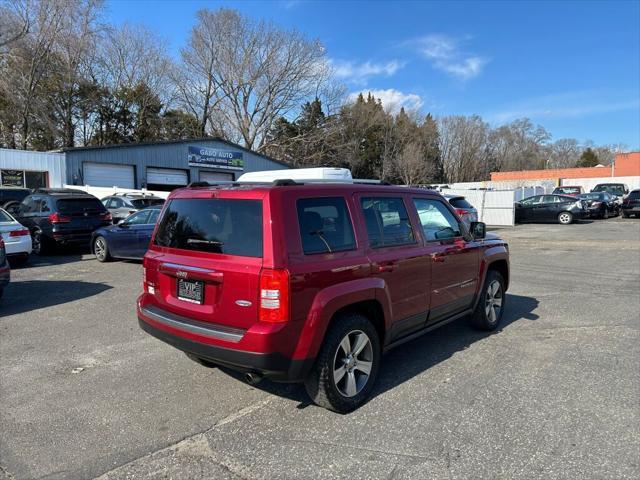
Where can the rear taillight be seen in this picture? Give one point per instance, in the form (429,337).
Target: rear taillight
(57,218)
(462,212)
(274,295)
(19,233)
(106,217)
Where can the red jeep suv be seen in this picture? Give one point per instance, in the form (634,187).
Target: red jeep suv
(309,282)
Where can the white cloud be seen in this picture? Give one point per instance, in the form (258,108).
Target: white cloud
(445,54)
(393,100)
(359,73)
(564,105)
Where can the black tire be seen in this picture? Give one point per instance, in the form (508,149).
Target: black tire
(100,249)
(625,215)
(19,261)
(565,218)
(40,243)
(321,384)
(201,361)
(482,318)
(605,215)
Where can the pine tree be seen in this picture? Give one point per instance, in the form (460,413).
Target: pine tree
(588,158)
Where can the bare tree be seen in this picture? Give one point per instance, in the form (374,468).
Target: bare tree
(243,75)
(15,21)
(27,64)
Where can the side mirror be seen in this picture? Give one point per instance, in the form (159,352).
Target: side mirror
(478,230)
(123,224)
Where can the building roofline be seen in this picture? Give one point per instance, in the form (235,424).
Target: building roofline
(169,142)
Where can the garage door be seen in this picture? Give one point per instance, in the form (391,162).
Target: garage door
(213,177)
(108,175)
(166,176)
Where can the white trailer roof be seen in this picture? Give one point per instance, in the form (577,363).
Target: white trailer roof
(311,174)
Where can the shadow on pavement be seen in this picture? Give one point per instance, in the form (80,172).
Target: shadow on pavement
(21,297)
(414,357)
(60,257)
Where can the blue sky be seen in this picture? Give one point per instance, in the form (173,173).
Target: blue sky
(573,67)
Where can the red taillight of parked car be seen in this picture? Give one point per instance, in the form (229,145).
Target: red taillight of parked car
(19,233)
(462,212)
(57,218)
(107,217)
(274,295)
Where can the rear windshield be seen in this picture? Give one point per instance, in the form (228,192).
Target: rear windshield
(232,227)
(459,203)
(73,206)
(4,217)
(567,190)
(635,194)
(147,202)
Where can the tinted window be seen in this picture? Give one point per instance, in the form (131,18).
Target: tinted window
(532,200)
(232,227)
(460,203)
(567,190)
(613,189)
(437,221)
(325,225)
(146,202)
(139,218)
(35,180)
(75,206)
(635,194)
(387,222)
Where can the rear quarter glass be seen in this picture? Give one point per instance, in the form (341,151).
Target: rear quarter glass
(212,225)
(460,203)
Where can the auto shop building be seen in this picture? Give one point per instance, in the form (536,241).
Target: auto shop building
(160,166)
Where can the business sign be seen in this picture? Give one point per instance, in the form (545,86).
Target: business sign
(215,158)
(12,178)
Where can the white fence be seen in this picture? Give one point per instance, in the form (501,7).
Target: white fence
(589,183)
(102,192)
(495,207)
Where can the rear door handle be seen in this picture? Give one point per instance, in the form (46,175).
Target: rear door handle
(191,273)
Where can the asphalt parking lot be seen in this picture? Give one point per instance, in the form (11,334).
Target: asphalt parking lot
(553,394)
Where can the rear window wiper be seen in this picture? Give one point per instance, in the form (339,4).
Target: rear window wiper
(205,242)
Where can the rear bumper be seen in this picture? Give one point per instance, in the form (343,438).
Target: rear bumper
(72,238)
(272,365)
(18,245)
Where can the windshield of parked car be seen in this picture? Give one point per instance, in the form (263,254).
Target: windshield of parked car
(613,189)
(146,202)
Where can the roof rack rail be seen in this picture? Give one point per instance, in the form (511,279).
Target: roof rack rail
(70,191)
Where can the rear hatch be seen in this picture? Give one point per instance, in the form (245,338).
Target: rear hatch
(79,215)
(205,259)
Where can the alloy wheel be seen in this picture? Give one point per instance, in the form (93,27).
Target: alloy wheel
(493,301)
(565,218)
(100,248)
(352,363)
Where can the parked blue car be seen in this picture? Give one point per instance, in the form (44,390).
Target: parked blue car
(128,239)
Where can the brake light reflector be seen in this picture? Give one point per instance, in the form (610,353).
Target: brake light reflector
(19,233)
(274,295)
(106,217)
(57,218)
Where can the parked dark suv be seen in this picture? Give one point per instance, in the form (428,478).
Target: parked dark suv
(631,204)
(61,217)
(313,282)
(10,198)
